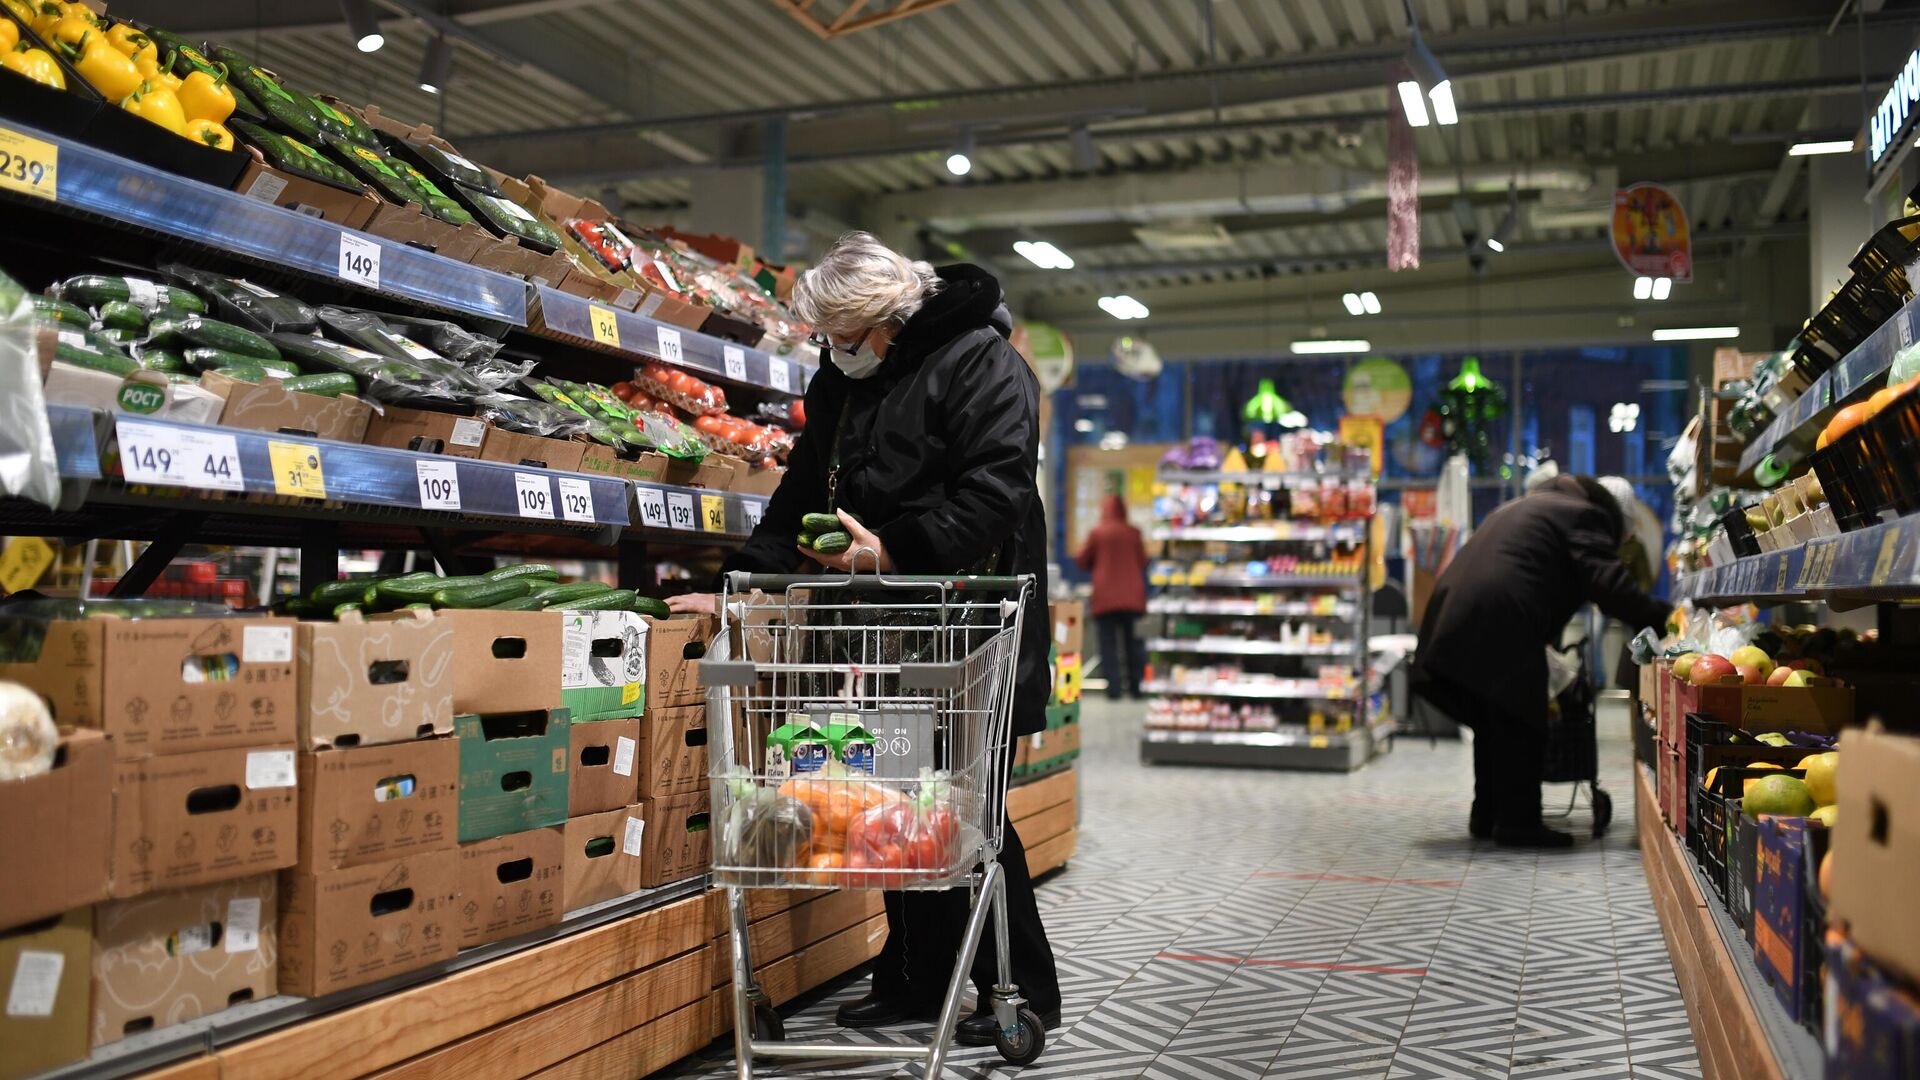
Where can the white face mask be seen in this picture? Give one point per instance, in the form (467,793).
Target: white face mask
(861,365)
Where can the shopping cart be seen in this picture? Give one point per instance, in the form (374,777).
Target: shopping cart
(858,736)
(1572,747)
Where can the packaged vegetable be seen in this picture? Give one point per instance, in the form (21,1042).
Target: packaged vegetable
(203,332)
(670,384)
(244,303)
(529,417)
(371,332)
(763,828)
(901,842)
(93,290)
(381,378)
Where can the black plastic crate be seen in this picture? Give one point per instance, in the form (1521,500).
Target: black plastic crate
(1893,437)
(1740,534)
(1707,834)
(1744,838)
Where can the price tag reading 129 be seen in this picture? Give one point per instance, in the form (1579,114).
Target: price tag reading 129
(534,496)
(653,507)
(736,360)
(359,260)
(439,484)
(576,499)
(680,510)
(779,374)
(179,457)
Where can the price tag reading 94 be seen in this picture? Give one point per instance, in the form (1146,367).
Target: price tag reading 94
(680,511)
(653,507)
(439,485)
(179,457)
(533,495)
(576,499)
(606,325)
(736,360)
(359,260)
(713,513)
(670,345)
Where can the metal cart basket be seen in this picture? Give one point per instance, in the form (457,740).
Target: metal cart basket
(858,736)
(1572,753)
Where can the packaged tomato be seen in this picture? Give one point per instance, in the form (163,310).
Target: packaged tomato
(914,839)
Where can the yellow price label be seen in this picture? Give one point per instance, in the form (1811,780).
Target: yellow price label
(1780,578)
(29,166)
(629,693)
(24,563)
(1317,742)
(1883,563)
(297,469)
(713,513)
(606,326)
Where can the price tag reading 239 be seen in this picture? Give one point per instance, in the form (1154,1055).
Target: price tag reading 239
(29,166)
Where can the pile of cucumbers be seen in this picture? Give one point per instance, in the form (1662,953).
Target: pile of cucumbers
(520,587)
(824,533)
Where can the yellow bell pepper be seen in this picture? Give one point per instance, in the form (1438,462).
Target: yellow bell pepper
(206,97)
(158,105)
(46,13)
(35,64)
(70,30)
(210,133)
(131,41)
(22,10)
(109,70)
(9,35)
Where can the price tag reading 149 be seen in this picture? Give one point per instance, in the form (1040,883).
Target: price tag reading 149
(359,260)
(653,507)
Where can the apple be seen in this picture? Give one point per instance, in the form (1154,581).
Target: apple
(1797,677)
(1750,675)
(1683,664)
(1711,669)
(1754,657)
(1779,676)
(1808,665)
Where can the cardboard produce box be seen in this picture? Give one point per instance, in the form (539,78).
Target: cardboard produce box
(348,927)
(1817,709)
(369,804)
(673,751)
(603,666)
(324,201)
(58,833)
(70,384)
(1779,891)
(603,857)
(45,970)
(604,773)
(1069,626)
(267,406)
(677,837)
(513,771)
(1874,1028)
(504,661)
(1876,846)
(190,819)
(372,681)
(510,885)
(515,448)
(175,956)
(674,649)
(427,432)
(168,686)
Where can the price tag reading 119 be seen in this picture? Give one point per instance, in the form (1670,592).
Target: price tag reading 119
(534,496)
(670,345)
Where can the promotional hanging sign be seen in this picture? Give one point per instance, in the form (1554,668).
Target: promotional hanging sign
(1650,233)
(1365,431)
(1378,388)
(1890,126)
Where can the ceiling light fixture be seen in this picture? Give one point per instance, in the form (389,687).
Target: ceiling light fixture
(1123,307)
(1503,232)
(1662,288)
(1494,245)
(1815,149)
(1643,288)
(1697,333)
(1426,87)
(363,25)
(1331,346)
(960,162)
(1043,255)
(436,66)
(1370,302)
(1354,306)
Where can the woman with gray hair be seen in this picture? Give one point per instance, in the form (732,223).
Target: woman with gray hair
(924,422)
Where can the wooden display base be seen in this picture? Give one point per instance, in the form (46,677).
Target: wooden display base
(1044,812)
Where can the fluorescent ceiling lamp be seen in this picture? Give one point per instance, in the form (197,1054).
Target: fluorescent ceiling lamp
(1814,149)
(1426,87)
(1662,288)
(437,64)
(1370,302)
(1442,98)
(1643,288)
(960,162)
(1123,307)
(1354,306)
(1043,255)
(362,24)
(1415,104)
(1494,245)
(1331,346)
(1696,333)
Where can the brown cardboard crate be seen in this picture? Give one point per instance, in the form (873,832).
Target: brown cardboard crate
(182,820)
(349,927)
(58,834)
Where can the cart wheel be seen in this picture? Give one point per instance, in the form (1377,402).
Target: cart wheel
(1602,811)
(1029,1038)
(767,1025)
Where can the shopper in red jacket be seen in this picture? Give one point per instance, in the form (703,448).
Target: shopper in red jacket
(1116,556)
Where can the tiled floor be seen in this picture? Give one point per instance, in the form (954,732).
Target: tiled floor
(1249,924)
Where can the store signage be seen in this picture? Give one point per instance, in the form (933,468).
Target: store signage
(1650,234)
(1891,126)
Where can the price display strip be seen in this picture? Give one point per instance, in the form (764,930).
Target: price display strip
(711,514)
(566,315)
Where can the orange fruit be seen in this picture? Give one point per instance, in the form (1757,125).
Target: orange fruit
(1846,420)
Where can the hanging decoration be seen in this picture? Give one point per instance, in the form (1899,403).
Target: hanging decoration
(1458,418)
(1403,186)
(1379,388)
(1650,235)
(1049,351)
(1266,406)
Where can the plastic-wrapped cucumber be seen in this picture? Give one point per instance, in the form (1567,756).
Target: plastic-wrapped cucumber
(246,372)
(81,349)
(511,219)
(281,106)
(370,165)
(292,155)
(437,202)
(352,128)
(93,290)
(154,358)
(381,378)
(371,332)
(120,315)
(447,163)
(56,310)
(204,359)
(529,417)
(120,339)
(244,303)
(455,342)
(206,333)
(330,384)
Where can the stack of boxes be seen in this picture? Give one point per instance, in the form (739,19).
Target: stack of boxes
(1873,973)
(604,689)
(674,804)
(1046,751)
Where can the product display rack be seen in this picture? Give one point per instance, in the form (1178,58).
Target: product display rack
(1302,737)
(1881,562)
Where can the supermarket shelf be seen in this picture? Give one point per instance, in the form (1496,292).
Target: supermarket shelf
(139,1053)
(1878,562)
(1253,534)
(1841,381)
(1244,609)
(1244,581)
(76,446)
(623,333)
(1297,690)
(1252,479)
(93,182)
(1292,749)
(1243,647)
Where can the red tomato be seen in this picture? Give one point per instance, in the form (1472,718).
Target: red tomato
(624,390)
(926,852)
(710,425)
(797,412)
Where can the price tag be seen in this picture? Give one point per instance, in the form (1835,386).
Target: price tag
(736,361)
(606,326)
(680,511)
(179,457)
(534,496)
(29,166)
(1883,563)
(576,499)
(439,484)
(670,345)
(297,469)
(780,374)
(359,260)
(713,513)
(653,507)
(755,510)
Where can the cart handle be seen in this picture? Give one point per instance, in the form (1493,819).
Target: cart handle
(746,581)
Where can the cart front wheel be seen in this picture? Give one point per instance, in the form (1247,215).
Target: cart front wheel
(1029,1038)
(1602,811)
(767,1025)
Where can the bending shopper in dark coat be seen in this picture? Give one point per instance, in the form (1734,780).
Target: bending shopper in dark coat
(1116,556)
(936,421)
(1503,599)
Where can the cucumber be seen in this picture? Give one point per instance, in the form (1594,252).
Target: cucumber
(341,609)
(820,523)
(87,355)
(485,594)
(300,607)
(93,290)
(559,595)
(198,330)
(611,600)
(526,570)
(411,590)
(375,599)
(210,359)
(163,360)
(806,539)
(60,311)
(121,315)
(519,603)
(122,339)
(652,608)
(246,373)
(326,384)
(328,593)
(832,543)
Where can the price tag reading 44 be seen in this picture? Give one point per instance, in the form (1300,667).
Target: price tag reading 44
(178,457)
(359,260)
(29,166)
(680,510)
(534,495)
(576,499)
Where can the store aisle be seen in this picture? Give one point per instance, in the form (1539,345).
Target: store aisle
(1242,924)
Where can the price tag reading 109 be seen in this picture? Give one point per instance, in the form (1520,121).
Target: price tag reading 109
(534,496)
(439,485)
(179,457)
(576,499)
(653,507)
(680,510)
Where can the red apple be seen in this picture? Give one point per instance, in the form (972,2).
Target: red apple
(1809,665)
(1779,676)
(1711,669)
(1750,675)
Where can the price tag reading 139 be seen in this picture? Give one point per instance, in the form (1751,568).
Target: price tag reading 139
(680,510)
(179,457)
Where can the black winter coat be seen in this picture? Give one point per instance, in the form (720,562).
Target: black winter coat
(939,453)
(1508,594)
